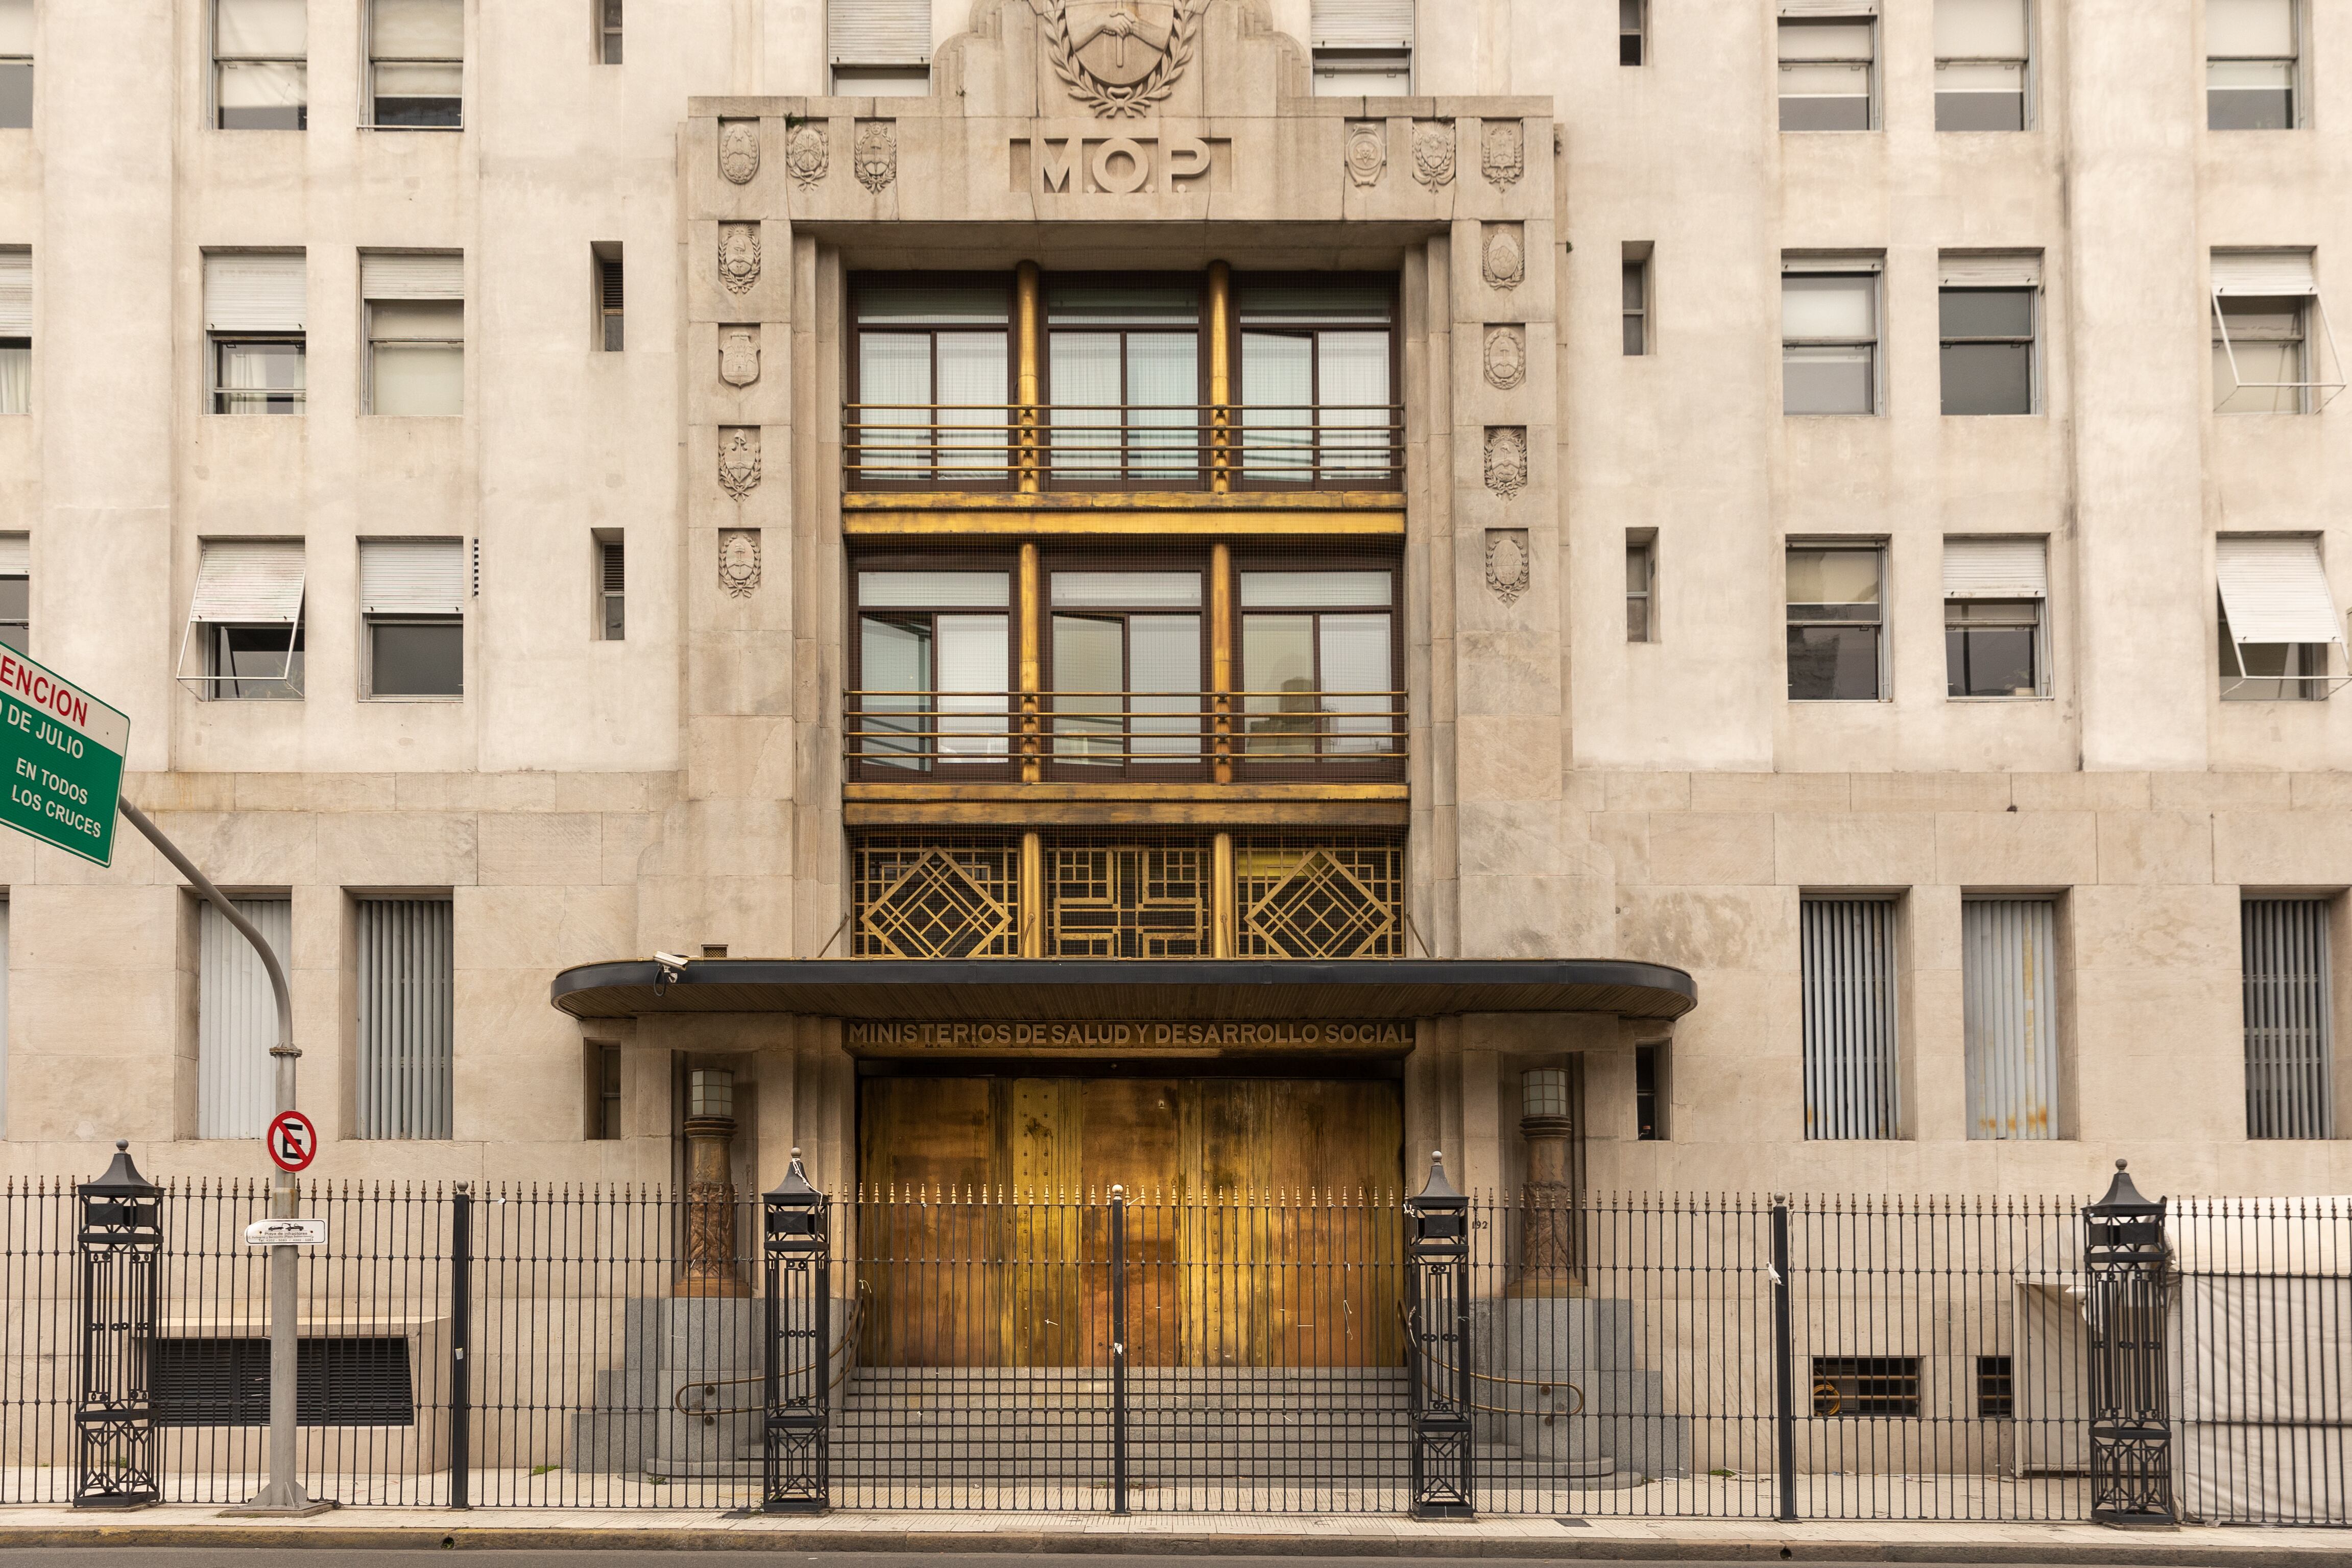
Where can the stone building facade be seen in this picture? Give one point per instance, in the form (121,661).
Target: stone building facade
(1634,784)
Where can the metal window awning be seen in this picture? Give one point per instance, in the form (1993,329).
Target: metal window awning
(1054,991)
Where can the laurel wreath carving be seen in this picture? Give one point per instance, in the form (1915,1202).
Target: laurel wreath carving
(1117,102)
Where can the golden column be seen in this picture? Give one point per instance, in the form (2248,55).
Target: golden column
(709,1188)
(1225,939)
(1221,377)
(1028,397)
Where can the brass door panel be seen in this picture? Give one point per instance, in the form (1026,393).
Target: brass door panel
(1261,1220)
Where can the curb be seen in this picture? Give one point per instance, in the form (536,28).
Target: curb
(2124,1552)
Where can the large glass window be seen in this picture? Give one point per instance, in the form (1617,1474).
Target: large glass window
(1826,73)
(2250,59)
(1836,624)
(1982,47)
(260,65)
(1127,650)
(1829,343)
(1123,375)
(416,64)
(934,668)
(16,64)
(1315,381)
(1318,664)
(934,381)
(416,357)
(1987,342)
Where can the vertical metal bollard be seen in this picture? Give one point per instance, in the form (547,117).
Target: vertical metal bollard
(1437,1253)
(121,1240)
(2126,1257)
(461,1335)
(795,1364)
(1118,1350)
(1784,1362)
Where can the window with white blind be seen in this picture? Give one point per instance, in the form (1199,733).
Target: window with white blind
(412,602)
(2290,1034)
(255,305)
(1829,65)
(2008,1010)
(880,48)
(1362,46)
(1837,622)
(1982,47)
(244,636)
(1852,1065)
(1987,309)
(2268,326)
(416,65)
(407,1015)
(16,329)
(2253,58)
(1995,640)
(16,64)
(2278,620)
(261,64)
(1829,334)
(237,1018)
(416,304)
(16,592)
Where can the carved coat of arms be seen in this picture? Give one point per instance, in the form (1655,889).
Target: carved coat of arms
(1505,152)
(1505,260)
(1368,153)
(1433,154)
(1507,563)
(738,462)
(739,256)
(876,155)
(1506,357)
(1119,58)
(739,356)
(1507,460)
(808,153)
(739,561)
(739,150)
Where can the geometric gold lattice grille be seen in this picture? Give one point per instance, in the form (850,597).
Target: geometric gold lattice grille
(1321,900)
(1128,899)
(917,898)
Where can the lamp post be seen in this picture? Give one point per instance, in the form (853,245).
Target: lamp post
(1437,1332)
(2126,1257)
(796,1473)
(709,1188)
(121,1240)
(1548,1198)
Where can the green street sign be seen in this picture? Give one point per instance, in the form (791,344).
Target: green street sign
(63,751)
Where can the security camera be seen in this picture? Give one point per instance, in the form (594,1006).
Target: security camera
(669,968)
(672,960)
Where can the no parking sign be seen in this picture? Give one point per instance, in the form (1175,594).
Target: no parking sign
(292,1142)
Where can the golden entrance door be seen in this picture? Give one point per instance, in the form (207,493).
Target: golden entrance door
(1261,1222)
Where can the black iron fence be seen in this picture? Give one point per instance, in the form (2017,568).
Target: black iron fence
(1319,1353)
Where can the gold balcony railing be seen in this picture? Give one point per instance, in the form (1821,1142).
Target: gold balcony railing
(899,734)
(1210,446)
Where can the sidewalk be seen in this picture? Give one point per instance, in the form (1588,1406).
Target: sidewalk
(1220,1535)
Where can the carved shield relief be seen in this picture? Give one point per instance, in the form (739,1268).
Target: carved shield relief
(738,560)
(739,150)
(1506,357)
(738,355)
(739,461)
(739,256)
(808,153)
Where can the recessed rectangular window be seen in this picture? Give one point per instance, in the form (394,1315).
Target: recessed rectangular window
(16,592)
(1995,643)
(2252,59)
(2009,1012)
(407,1014)
(1981,50)
(415,304)
(1651,1092)
(2265,351)
(2278,620)
(1829,338)
(1865,1385)
(260,65)
(2290,1028)
(1996,1388)
(880,48)
(1633,295)
(340,1381)
(612,590)
(934,669)
(1837,622)
(611,299)
(934,380)
(416,64)
(1987,310)
(608,31)
(1123,375)
(255,305)
(16,329)
(1361,46)
(1316,381)
(1319,659)
(1641,585)
(1125,651)
(605,1090)
(243,637)
(1852,1064)
(237,1018)
(411,602)
(16,64)
(1828,68)
(1633,31)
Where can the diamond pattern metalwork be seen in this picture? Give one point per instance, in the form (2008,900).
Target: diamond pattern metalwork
(927,901)
(1335,901)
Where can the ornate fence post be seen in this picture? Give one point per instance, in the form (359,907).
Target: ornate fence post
(121,1241)
(796,1354)
(1437,1344)
(2126,1256)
